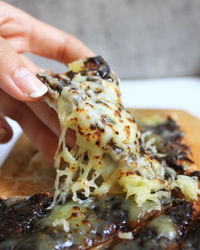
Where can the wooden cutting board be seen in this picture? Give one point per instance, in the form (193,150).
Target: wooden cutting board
(18,177)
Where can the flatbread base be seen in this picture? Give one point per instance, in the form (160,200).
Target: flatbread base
(19,176)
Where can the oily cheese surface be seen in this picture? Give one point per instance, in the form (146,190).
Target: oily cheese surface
(19,177)
(189,124)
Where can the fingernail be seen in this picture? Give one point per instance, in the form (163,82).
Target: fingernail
(27,82)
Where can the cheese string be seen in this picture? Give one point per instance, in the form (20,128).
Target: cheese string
(109,151)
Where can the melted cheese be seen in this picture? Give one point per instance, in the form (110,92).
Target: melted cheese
(125,236)
(108,151)
(61,223)
(143,189)
(188,186)
(164,226)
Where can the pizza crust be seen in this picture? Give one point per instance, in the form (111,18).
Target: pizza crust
(19,177)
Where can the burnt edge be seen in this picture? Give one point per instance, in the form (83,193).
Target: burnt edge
(171,144)
(93,66)
(19,219)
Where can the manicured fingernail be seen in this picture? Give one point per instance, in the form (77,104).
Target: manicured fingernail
(27,82)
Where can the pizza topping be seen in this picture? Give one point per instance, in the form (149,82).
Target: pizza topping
(164,227)
(126,236)
(106,222)
(61,223)
(18,217)
(119,158)
(195,173)
(188,186)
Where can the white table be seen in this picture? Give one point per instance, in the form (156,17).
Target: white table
(176,93)
(7,147)
(173,93)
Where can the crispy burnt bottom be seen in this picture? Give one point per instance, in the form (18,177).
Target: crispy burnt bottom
(108,221)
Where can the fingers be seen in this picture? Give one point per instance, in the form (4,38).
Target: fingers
(41,135)
(15,79)
(50,42)
(41,109)
(28,64)
(27,34)
(50,118)
(5,130)
(47,115)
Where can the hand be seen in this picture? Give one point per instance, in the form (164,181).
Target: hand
(20,90)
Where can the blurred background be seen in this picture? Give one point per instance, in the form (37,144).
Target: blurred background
(139,38)
(152,45)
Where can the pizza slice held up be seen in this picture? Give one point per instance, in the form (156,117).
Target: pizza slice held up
(122,184)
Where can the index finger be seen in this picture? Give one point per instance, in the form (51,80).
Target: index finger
(50,42)
(27,34)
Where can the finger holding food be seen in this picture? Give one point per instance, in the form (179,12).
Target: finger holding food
(27,34)
(44,139)
(15,79)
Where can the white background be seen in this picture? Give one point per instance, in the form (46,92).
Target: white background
(173,93)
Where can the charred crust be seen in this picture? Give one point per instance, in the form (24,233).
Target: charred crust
(86,156)
(196,173)
(93,126)
(70,74)
(112,217)
(192,236)
(19,218)
(176,193)
(170,144)
(54,81)
(96,66)
(181,212)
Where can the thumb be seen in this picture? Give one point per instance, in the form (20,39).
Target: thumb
(5,130)
(15,79)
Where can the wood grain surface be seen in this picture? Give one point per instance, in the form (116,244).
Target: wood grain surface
(19,177)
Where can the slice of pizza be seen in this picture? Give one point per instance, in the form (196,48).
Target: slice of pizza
(122,184)
(109,154)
